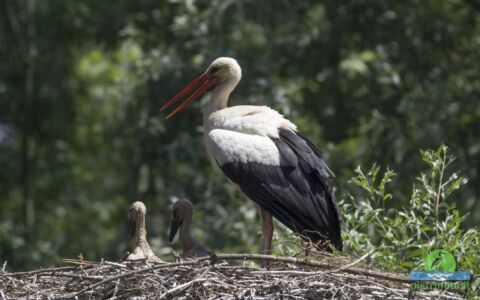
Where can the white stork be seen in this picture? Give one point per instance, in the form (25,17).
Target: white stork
(263,153)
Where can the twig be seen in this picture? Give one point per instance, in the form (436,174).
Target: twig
(38,271)
(68,275)
(353,263)
(80,261)
(115,291)
(288,272)
(114,264)
(181,287)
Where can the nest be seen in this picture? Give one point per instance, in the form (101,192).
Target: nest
(215,277)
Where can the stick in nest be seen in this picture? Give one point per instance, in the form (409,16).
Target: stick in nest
(181,287)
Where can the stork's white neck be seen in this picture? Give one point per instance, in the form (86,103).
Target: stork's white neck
(220,96)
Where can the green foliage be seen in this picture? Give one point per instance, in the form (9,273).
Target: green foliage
(404,236)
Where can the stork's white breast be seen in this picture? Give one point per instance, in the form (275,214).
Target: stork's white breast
(257,120)
(231,146)
(244,134)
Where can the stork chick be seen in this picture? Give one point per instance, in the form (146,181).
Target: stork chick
(182,219)
(139,233)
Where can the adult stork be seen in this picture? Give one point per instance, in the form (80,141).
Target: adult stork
(263,153)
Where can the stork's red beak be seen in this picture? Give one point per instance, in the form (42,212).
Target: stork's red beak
(206,83)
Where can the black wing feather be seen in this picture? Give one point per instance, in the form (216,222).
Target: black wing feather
(296,193)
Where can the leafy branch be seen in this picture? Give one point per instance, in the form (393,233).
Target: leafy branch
(404,236)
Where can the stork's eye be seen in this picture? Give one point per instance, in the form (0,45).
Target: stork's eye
(214,69)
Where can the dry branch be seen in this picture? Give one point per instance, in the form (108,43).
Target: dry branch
(181,287)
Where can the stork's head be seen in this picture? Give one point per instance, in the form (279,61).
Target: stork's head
(137,213)
(220,71)
(182,209)
(223,69)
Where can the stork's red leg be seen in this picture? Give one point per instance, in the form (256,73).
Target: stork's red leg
(267,230)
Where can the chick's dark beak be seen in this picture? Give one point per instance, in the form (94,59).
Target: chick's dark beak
(176,223)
